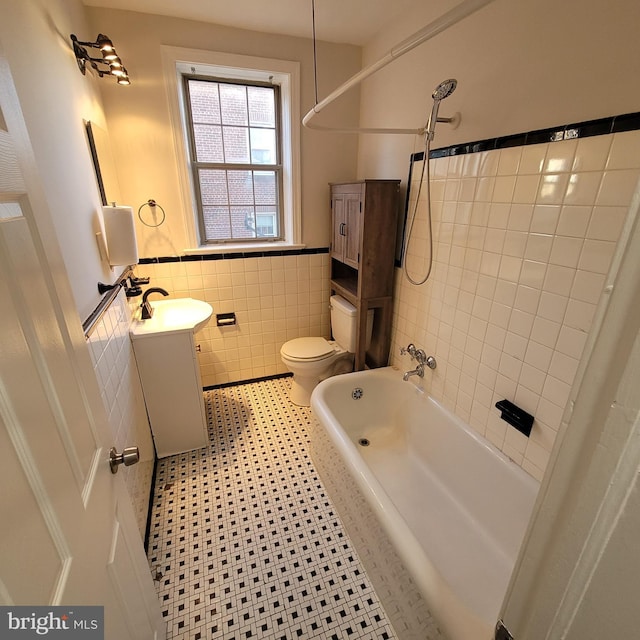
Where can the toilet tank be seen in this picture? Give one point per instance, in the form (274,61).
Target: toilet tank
(344,323)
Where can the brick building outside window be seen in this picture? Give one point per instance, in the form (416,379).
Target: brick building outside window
(234,148)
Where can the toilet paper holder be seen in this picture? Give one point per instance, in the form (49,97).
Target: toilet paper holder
(225,319)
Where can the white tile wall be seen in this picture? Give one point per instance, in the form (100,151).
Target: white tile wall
(275,299)
(115,368)
(523,238)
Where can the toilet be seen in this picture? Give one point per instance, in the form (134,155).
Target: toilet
(314,359)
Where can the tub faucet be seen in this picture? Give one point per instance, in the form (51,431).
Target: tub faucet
(418,371)
(422,359)
(147,309)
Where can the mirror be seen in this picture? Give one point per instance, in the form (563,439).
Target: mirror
(103,163)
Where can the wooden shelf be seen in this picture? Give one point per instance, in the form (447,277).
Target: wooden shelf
(364,223)
(348,289)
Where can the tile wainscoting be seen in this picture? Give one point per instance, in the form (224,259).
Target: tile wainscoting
(115,368)
(523,240)
(275,297)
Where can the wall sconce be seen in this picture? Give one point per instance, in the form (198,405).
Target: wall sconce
(110,59)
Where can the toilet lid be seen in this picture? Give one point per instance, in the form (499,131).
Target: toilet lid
(307,348)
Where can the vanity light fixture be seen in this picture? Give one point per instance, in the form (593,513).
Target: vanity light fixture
(112,64)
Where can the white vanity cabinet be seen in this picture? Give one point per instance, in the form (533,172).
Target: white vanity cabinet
(172,390)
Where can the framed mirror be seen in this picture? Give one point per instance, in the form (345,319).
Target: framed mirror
(103,163)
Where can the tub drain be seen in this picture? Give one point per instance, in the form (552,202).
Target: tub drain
(364,442)
(357,393)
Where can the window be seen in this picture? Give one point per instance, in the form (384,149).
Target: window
(235,159)
(236,123)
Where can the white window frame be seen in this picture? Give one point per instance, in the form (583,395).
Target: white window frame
(178,61)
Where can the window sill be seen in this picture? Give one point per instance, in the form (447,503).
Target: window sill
(244,248)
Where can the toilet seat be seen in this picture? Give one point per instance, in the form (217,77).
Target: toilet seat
(308,349)
(311,360)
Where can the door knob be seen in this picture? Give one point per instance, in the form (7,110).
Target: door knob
(129,456)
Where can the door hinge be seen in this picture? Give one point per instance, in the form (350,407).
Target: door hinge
(502,633)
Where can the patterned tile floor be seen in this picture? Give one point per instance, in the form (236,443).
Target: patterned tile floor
(244,541)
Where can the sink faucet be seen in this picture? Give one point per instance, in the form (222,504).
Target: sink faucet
(422,358)
(147,309)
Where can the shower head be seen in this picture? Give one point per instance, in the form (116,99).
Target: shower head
(442,91)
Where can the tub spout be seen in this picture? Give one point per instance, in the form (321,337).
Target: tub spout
(423,360)
(419,371)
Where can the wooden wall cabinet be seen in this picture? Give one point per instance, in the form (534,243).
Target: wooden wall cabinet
(364,216)
(346,209)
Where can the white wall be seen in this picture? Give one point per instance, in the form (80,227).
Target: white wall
(140,125)
(56,99)
(520,66)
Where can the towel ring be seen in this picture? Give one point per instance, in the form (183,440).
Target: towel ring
(153,204)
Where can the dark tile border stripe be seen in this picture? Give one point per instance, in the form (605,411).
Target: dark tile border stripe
(196,257)
(147,530)
(105,302)
(602,126)
(224,385)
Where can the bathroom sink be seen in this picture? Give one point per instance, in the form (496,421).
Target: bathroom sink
(178,314)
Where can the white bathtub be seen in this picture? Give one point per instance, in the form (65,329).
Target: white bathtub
(437,514)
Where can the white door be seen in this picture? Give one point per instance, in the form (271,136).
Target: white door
(67,529)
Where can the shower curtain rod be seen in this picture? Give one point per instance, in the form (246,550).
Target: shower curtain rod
(440,24)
